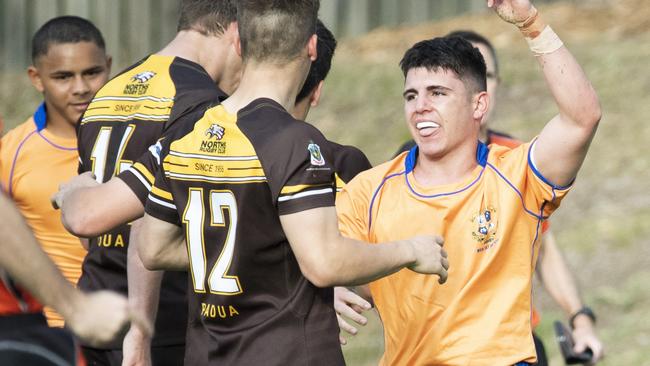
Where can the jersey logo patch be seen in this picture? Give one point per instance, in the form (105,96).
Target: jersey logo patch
(486,227)
(143,77)
(215,131)
(315,154)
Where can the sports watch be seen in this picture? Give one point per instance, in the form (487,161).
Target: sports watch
(585,310)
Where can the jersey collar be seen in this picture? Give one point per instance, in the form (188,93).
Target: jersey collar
(482,152)
(40,117)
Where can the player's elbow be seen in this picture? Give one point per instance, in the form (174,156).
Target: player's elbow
(149,258)
(79,224)
(321,277)
(591,113)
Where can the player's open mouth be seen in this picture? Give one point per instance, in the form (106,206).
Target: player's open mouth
(427,124)
(427,128)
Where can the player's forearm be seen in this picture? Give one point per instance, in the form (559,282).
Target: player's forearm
(348,262)
(144,285)
(576,98)
(22,256)
(557,277)
(88,212)
(163,246)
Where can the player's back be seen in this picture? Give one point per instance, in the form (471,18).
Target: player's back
(126,117)
(227,182)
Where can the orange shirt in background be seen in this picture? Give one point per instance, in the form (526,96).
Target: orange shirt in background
(33,163)
(491,223)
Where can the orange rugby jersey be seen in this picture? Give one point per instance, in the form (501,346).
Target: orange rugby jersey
(491,223)
(33,163)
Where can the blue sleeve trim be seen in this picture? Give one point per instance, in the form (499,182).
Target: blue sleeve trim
(539,174)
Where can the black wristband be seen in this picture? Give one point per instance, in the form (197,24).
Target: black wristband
(585,310)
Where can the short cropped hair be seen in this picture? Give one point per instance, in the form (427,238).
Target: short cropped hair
(476,38)
(65,29)
(208,17)
(275,30)
(321,67)
(451,54)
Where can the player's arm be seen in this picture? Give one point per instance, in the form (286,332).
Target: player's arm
(89,209)
(163,245)
(326,258)
(144,293)
(97,317)
(564,141)
(560,284)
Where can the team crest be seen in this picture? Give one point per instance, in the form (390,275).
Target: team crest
(215,131)
(485,227)
(315,155)
(143,77)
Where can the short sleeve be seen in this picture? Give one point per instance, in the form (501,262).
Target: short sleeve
(160,203)
(352,211)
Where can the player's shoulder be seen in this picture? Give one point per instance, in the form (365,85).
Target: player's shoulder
(502,139)
(267,117)
(18,134)
(368,180)
(348,160)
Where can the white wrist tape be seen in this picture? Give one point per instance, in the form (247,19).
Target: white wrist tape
(546,42)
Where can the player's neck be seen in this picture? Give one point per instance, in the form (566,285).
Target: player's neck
(59,127)
(452,167)
(279,83)
(196,47)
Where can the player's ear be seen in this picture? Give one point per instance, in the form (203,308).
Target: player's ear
(312,47)
(480,104)
(109,63)
(35,78)
(314,99)
(233,29)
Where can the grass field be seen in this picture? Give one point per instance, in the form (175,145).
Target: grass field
(603,225)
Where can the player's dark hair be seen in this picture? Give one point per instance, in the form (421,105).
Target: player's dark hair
(208,17)
(275,30)
(65,29)
(476,38)
(321,67)
(451,54)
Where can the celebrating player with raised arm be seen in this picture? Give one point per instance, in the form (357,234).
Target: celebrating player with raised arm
(488,203)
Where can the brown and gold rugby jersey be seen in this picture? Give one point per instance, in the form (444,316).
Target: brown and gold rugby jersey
(127,116)
(226,179)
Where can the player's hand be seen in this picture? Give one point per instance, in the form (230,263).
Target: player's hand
(136,348)
(585,337)
(431,258)
(517,12)
(102,316)
(83,180)
(351,305)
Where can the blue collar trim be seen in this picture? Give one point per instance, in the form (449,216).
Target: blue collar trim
(482,152)
(40,117)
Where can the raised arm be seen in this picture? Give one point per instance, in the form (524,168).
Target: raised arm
(327,258)
(89,209)
(564,141)
(97,317)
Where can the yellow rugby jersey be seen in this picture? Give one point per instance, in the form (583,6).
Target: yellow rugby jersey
(226,180)
(33,163)
(125,118)
(491,223)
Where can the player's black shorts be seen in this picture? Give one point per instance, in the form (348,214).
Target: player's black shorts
(160,356)
(25,339)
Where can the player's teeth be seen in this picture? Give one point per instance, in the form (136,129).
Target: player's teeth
(428,124)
